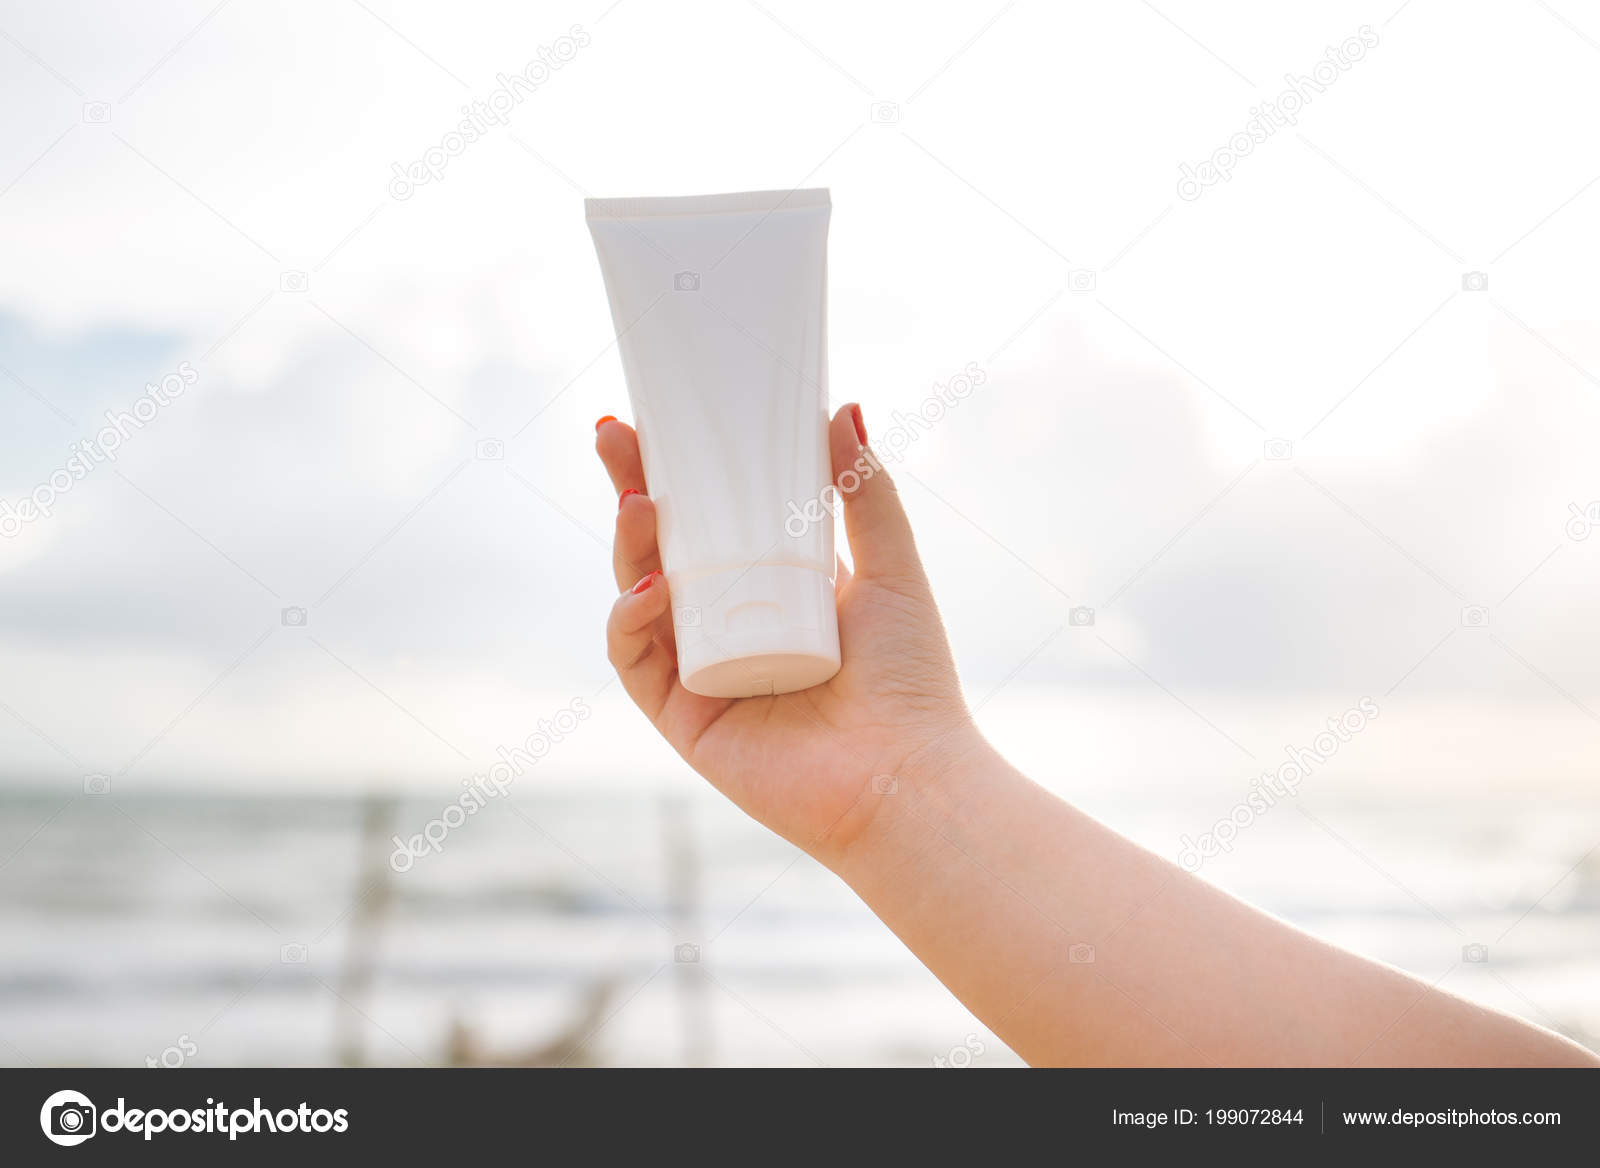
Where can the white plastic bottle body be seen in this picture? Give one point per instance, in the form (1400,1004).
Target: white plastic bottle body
(720,308)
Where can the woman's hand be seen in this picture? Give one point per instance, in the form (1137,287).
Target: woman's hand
(814,766)
(1073,944)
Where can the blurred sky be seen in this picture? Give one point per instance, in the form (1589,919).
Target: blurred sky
(1013,204)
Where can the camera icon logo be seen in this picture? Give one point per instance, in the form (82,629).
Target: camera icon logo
(67,1118)
(293,953)
(687,617)
(1081,280)
(1475,281)
(490,450)
(97,113)
(97,784)
(1277,450)
(1081,617)
(294,617)
(686,282)
(884,113)
(294,282)
(686,954)
(1081,954)
(885,784)
(1475,953)
(1475,616)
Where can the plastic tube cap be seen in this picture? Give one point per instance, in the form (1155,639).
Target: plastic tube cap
(769,629)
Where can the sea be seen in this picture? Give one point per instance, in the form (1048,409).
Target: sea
(608,926)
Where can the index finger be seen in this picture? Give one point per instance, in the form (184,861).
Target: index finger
(618,447)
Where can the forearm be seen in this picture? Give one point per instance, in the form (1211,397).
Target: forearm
(999,887)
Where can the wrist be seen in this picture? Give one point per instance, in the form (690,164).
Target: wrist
(932,787)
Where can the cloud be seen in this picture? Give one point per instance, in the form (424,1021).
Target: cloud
(327,456)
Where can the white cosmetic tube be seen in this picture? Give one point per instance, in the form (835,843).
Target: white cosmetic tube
(720,308)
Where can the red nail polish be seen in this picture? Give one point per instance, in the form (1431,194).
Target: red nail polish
(623,498)
(646,582)
(861,427)
(603,421)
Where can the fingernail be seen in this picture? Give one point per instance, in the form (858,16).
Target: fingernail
(623,498)
(861,427)
(646,582)
(603,421)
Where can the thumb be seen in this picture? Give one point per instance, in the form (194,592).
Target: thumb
(880,534)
